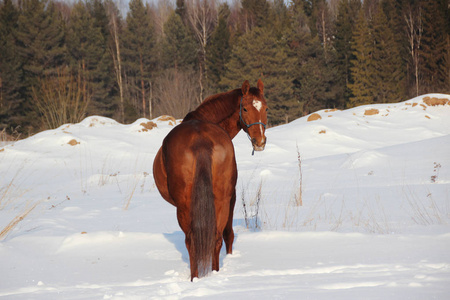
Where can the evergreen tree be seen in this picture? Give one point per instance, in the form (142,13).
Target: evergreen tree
(281,19)
(255,13)
(258,54)
(40,41)
(393,10)
(345,23)
(219,51)
(435,47)
(138,54)
(178,46)
(86,48)
(315,72)
(181,10)
(316,86)
(362,80)
(10,68)
(105,95)
(386,62)
(313,9)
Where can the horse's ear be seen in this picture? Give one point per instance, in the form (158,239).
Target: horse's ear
(260,86)
(245,87)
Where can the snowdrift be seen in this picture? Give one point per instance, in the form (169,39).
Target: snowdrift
(349,204)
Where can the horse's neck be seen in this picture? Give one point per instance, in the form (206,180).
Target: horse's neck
(231,125)
(222,110)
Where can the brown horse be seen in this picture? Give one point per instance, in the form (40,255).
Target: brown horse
(195,170)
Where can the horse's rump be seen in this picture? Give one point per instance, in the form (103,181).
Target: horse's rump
(201,176)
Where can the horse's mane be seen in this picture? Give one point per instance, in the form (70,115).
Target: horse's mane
(216,108)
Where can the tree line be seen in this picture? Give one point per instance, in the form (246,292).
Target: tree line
(60,62)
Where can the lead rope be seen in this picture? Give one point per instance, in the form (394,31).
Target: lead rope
(248,125)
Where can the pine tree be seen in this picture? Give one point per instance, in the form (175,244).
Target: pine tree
(138,54)
(435,47)
(255,13)
(345,24)
(281,19)
(219,51)
(362,81)
(386,62)
(40,46)
(178,46)
(315,73)
(86,48)
(10,68)
(315,80)
(105,98)
(181,10)
(258,55)
(393,10)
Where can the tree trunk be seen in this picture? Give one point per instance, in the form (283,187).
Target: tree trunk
(117,62)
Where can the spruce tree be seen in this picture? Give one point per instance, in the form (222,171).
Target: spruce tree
(345,23)
(105,99)
(281,19)
(255,13)
(86,48)
(435,47)
(219,51)
(139,54)
(362,80)
(386,62)
(259,55)
(393,10)
(179,50)
(40,46)
(10,68)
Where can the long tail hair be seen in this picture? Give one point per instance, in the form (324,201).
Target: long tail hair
(203,213)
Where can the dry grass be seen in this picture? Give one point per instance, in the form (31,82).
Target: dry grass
(425,211)
(73,142)
(433,101)
(314,117)
(10,197)
(17,219)
(252,209)
(299,196)
(371,112)
(148,126)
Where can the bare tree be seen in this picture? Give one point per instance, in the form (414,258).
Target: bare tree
(414,26)
(324,23)
(161,13)
(202,16)
(175,93)
(61,99)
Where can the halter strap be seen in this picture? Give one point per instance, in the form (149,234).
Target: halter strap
(240,116)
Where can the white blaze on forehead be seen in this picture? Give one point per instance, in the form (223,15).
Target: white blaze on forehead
(257,104)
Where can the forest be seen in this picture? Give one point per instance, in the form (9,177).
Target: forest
(62,61)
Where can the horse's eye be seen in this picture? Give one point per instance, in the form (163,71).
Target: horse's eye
(245,109)
(267,109)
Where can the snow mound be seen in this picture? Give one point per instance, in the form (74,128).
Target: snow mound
(352,205)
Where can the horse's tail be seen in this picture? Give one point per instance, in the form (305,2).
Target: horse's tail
(203,213)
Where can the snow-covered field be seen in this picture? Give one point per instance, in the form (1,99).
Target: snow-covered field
(81,217)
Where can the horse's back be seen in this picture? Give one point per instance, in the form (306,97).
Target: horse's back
(181,149)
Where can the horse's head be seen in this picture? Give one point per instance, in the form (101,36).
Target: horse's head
(253,114)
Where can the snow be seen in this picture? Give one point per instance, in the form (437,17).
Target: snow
(372,220)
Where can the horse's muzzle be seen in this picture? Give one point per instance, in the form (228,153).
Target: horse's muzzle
(259,145)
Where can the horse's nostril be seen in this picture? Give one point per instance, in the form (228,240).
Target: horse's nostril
(253,140)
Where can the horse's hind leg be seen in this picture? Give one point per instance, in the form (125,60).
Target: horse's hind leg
(228,233)
(192,260)
(216,255)
(184,221)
